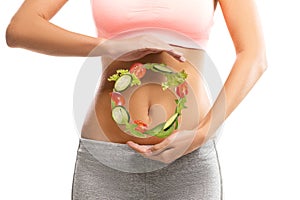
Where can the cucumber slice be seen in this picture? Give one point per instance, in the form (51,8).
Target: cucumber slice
(176,123)
(155,130)
(123,82)
(170,121)
(120,114)
(162,69)
(166,133)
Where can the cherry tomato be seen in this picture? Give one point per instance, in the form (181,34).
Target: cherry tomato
(117,98)
(138,69)
(182,89)
(142,127)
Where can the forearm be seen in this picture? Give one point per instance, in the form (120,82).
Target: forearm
(39,35)
(247,69)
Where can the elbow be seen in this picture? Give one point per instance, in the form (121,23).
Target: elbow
(257,58)
(16,31)
(262,63)
(11,35)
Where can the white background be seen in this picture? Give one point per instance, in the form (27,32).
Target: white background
(259,147)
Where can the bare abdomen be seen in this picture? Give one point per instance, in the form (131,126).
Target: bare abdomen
(147,102)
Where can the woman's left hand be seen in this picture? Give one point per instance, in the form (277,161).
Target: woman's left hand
(179,143)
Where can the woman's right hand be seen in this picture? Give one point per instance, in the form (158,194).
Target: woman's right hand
(135,48)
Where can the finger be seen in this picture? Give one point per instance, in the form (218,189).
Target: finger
(182,59)
(173,51)
(133,55)
(165,144)
(160,146)
(137,147)
(177,55)
(162,151)
(165,156)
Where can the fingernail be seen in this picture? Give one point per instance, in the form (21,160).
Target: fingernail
(148,151)
(182,59)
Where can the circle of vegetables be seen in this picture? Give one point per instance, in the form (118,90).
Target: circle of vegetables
(174,79)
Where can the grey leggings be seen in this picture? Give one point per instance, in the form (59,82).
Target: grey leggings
(114,171)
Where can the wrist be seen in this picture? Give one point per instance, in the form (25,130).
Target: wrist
(200,133)
(204,129)
(98,48)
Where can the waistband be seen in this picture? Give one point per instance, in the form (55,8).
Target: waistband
(123,158)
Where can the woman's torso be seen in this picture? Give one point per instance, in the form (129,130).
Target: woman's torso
(191,19)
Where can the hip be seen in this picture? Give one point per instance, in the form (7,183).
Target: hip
(107,170)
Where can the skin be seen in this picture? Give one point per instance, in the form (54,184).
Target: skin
(30,29)
(142,100)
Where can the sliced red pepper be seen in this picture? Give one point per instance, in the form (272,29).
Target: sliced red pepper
(142,127)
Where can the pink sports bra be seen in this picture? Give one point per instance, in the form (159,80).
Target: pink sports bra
(178,22)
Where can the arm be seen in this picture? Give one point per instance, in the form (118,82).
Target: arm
(30,29)
(244,26)
(242,20)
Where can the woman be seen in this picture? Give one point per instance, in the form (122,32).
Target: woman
(192,170)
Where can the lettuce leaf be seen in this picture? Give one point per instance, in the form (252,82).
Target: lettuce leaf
(135,80)
(180,104)
(174,79)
